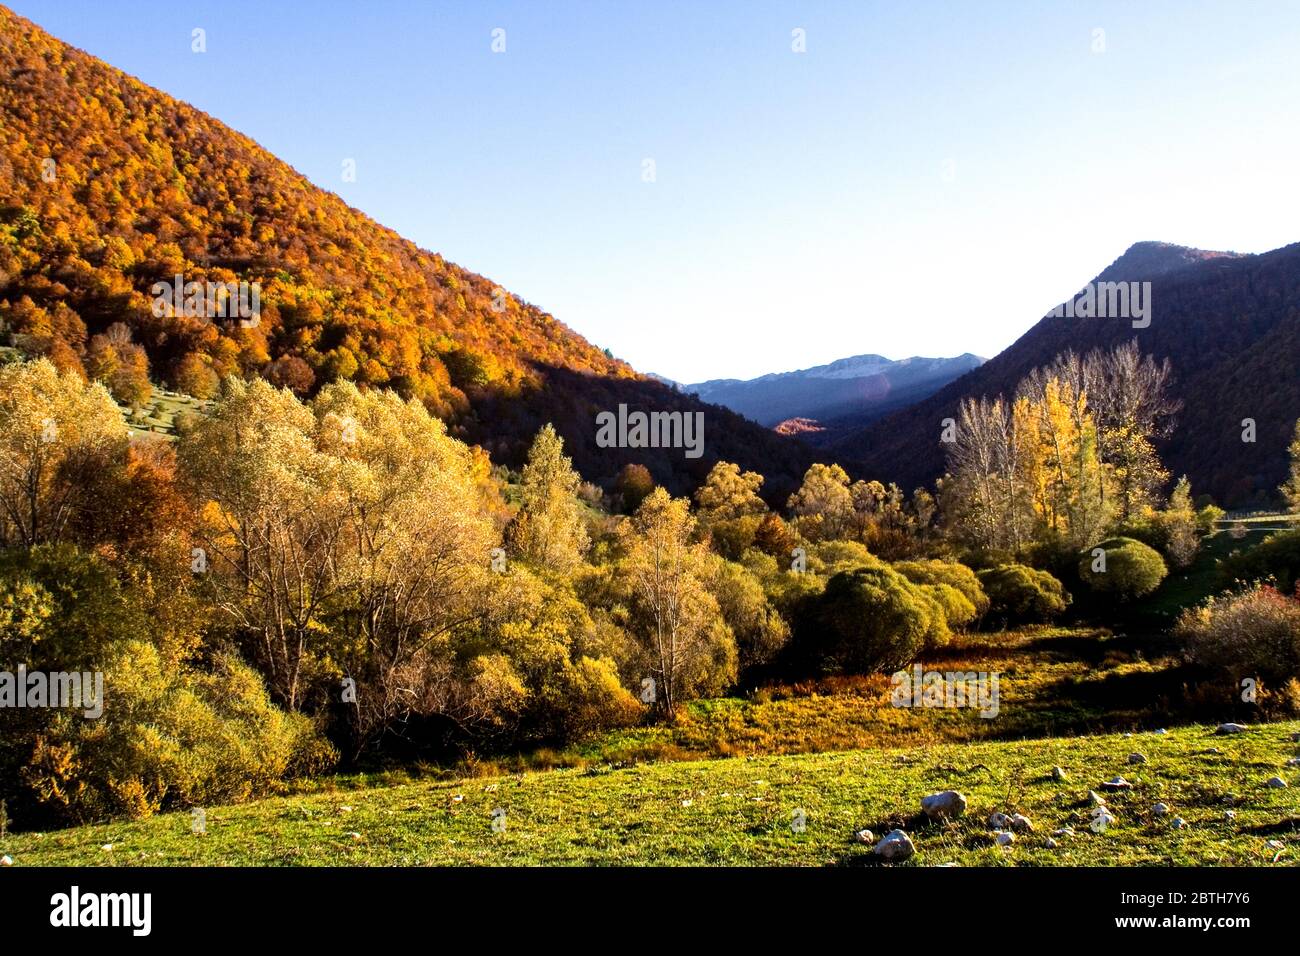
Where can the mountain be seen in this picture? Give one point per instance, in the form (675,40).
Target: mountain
(862,388)
(1228,324)
(108,186)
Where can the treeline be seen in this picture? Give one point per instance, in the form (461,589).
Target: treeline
(293,586)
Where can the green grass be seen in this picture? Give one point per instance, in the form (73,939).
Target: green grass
(738,811)
(163,412)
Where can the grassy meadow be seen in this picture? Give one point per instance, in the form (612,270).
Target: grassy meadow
(739,811)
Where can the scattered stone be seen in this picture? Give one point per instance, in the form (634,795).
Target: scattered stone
(1162,731)
(1293,762)
(458,798)
(1021,823)
(1160,809)
(1277,783)
(1050,843)
(354,835)
(999,821)
(1096,798)
(1101,820)
(6,860)
(1229,815)
(1058,773)
(865,836)
(895,847)
(1230,728)
(1178,823)
(1063,832)
(1137,758)
(1004,837)
(940,806)
(1118,783)
(345,809)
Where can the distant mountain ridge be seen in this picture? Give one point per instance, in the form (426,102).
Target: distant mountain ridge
(861,386)
(1229,325)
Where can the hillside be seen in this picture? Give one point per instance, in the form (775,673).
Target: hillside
(860,388)
(1230,327)
(738,812)
(108,186)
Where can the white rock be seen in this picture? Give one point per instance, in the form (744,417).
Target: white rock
(1277,783)
(1063,832)
(999,820)
(939,806)
(1137,758)
(1160,809)
(1229,815)
(1162,731)
(865,836)
(1058,773)
(1050,843)
(6,860)
(1021,823)
(1178,823)
(1100,821)
(1293,762)
(1097,799)
(1116,783)
(1230,728)
(895,847)
(1004,837)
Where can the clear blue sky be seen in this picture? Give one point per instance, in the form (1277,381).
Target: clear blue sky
(928,178)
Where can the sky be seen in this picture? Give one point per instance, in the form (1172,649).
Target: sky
(679,184)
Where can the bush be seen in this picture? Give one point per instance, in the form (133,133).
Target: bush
(1253,633)
(1021,594)
(1277,559)
(957,609)
(950,573)
(874,619)
(169,736)
(1131,568)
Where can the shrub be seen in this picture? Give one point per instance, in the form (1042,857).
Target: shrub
(957,609)
(1253,633)
(169,736)
(1277,558)
(1018,593)
(874,619)
(830,557)
(950,573)
(1130,570)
